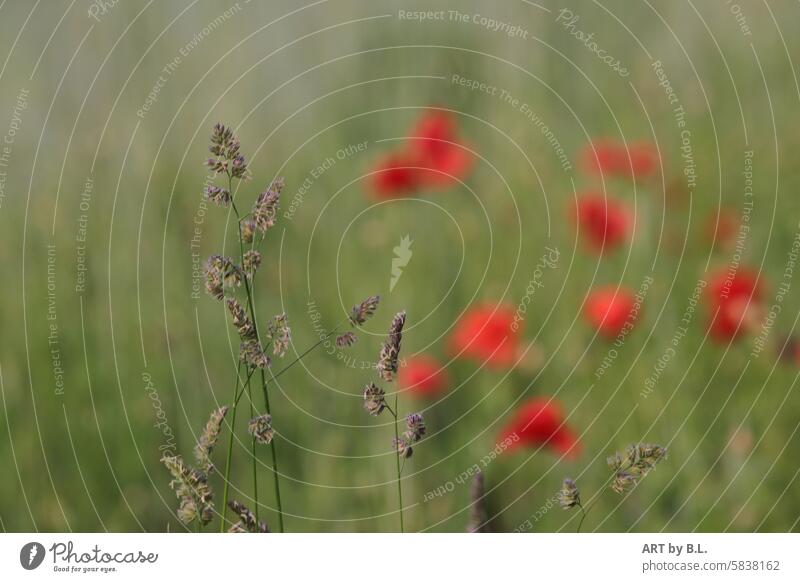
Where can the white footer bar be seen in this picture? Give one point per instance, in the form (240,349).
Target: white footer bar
(408,558)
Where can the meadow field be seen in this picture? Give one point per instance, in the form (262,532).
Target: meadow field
(681,116)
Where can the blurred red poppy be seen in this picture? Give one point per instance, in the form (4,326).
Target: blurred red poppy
(734,303)
(433,156)
(540,421)
(613,159)
(422,376)
(435,145)
(604,223)
(608,310)
(485,334)
(396,175)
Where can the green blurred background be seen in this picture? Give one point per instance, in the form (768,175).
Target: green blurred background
(299,81)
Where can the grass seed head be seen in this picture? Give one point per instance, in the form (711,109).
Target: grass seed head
(251,260)
(416,427)
(208,439)
(225,147)
(261,429)
(569,496)
(346,339)
(364,310)
(247,229)
(390,352)
(374,399)
(241,321)
(192,489)
(280,334)
(403,447)
(247,521)
(265,209)
(221,272)
(219,196)
(634,464)
(251,353)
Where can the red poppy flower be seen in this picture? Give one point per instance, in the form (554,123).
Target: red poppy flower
(603,222)
(422,376)
(614,159)
(734,301)
(433,156)
(608,310)
(644,159)
(487,333)
(435,146)
(395,176)
(537,422)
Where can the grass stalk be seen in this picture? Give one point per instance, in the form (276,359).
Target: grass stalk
(228,460)
(399,469)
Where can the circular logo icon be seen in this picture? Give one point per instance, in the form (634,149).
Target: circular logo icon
(31,555)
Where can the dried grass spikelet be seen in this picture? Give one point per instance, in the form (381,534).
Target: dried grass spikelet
(251,353)
(251,260)
(280,334)
(261,429)
(478,514)
(569,496)
(191,483)
(219,196)
(247,229)
(634,464)
(415,430)
(374,399)
(208,439)
(364,310)
(213,270)
(247,521)
(346,340)
(415,425)
(225,146)
(192,489)
(390,352)
(250,350)
(265,208)
(241,321)
(403,447)
(221,272)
